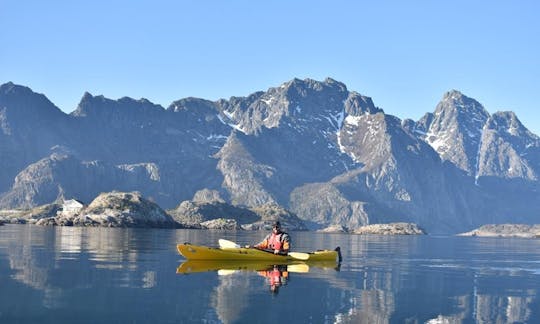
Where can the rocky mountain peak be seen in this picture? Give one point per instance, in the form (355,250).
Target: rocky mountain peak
(306,87)
(192,104)
(509,149)
(356,105)
(292,103)
(8,87)
(21,100)
(507,121)
(455,102)
(456,129)
(101,106)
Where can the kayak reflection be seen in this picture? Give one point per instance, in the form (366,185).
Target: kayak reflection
(277,275)
(228,267)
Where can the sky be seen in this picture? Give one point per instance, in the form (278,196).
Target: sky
(403,54)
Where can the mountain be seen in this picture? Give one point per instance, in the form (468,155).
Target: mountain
(328,155)
(30,126)
(508,149)
(454,130)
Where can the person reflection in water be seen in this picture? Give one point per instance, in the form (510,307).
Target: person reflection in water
(277,276)
(278,241)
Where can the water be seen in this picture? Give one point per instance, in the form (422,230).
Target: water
(102,275)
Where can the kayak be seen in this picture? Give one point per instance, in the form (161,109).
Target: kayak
(193,266)
(199,252)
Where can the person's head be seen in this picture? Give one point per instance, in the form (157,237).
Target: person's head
(276,227)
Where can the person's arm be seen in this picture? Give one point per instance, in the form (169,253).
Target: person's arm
(263,244)
(286,242)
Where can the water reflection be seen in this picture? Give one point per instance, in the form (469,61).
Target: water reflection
(242,285)
(77,259)
(124,274)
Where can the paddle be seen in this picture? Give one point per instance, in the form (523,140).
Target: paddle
(300,267)
(226,272)
(297,268)
(226,244)
(299,255)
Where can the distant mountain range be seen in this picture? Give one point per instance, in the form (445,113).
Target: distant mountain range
(326,153)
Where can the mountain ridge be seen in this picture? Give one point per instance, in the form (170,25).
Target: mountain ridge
(328,154)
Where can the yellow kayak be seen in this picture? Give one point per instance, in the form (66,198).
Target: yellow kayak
(193,266)
(199,252)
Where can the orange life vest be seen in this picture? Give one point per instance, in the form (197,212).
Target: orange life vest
(274,241)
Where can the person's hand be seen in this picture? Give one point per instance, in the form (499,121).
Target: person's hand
(276,251)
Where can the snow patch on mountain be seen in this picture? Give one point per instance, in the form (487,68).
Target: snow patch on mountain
(230,116)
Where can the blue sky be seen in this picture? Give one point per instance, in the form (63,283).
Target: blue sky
(403,54)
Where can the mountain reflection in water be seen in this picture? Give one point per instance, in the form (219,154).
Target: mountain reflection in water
(89,275)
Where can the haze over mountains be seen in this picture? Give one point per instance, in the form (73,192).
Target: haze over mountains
(326,153)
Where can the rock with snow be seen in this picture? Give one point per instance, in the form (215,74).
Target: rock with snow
(391,229)
(506,230)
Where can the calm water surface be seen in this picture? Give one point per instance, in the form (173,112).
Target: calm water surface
(102,275)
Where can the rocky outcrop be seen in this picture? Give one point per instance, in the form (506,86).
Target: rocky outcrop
(271,213)
(334,229)
(30,216)
(203,214)
(391,229)
(221,224)
(115,209)
(506,230)
(193,213)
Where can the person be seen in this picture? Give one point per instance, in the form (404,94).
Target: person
(277,276)
(278,240)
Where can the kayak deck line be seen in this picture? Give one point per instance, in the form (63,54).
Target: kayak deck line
(200,252)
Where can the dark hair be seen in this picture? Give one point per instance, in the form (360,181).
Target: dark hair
(276,224)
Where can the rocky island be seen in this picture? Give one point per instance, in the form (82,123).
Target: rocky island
(391,229)
(208,211)
(131,209)
(506,230)
(113,209)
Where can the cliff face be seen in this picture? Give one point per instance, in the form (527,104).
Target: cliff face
(326,153)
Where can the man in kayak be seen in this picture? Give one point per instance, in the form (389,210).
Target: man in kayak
(278,240)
